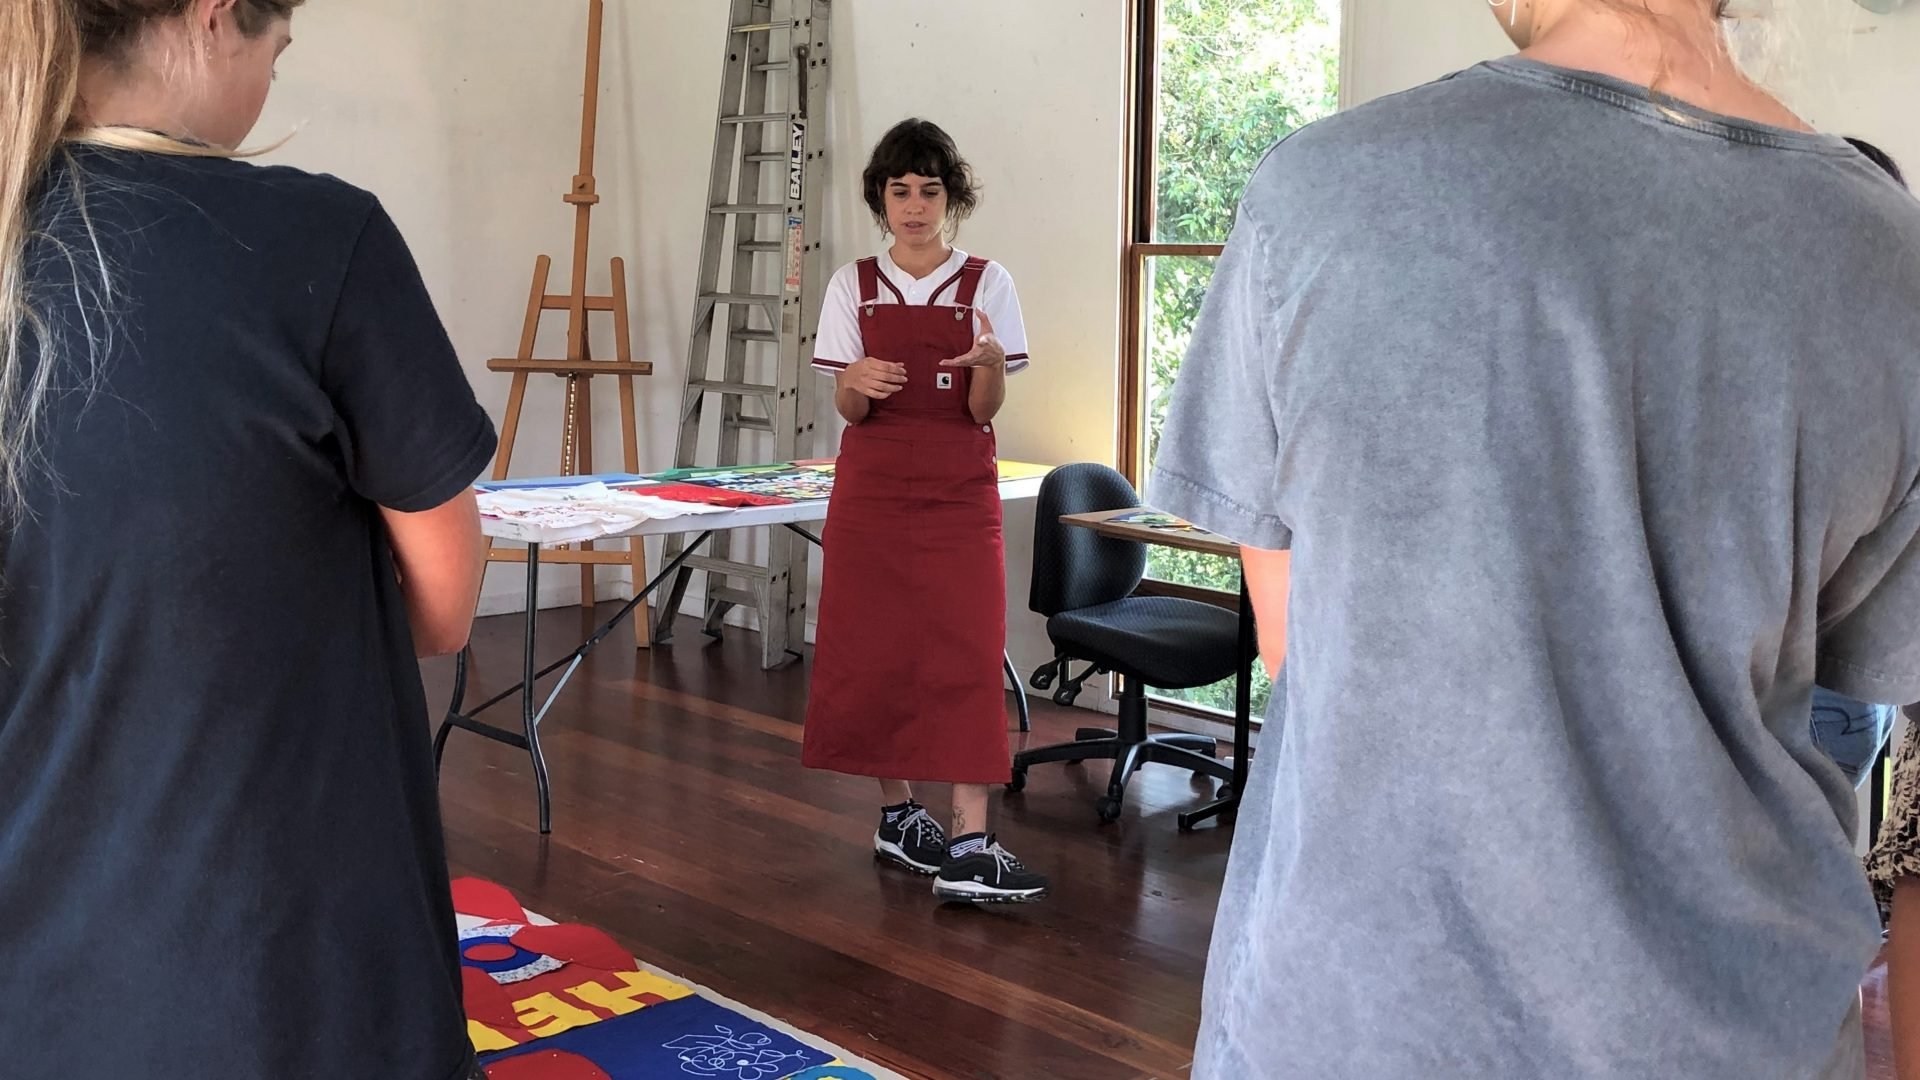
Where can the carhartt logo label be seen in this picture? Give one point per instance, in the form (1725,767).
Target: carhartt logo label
(944,381)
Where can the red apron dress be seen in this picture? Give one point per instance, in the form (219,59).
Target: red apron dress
(913,592)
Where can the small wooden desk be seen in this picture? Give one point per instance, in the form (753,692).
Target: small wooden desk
(1190,538)
(1193,538)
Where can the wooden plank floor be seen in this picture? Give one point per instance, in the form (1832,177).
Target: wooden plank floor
(684,826)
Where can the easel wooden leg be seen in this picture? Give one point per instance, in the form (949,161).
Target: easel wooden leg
(517,393)
(583,465)
(642,626)
(510,427)
(517,396)
(630,443)
(579,368)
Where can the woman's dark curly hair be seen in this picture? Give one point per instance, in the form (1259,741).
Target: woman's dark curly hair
(1878,157)
(919,148)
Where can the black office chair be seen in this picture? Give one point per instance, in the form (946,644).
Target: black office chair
(1083,583)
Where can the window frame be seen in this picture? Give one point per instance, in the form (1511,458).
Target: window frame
(1139,209)
(1140,206)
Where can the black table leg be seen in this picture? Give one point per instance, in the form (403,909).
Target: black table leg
(1246,654)
(459,698)
(1020,692)
(529,705)
(532,711)
(1877,789)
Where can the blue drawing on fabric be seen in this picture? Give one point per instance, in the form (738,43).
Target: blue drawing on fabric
(832,1072)
(750,1055)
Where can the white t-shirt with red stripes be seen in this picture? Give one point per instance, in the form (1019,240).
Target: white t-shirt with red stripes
(838,342)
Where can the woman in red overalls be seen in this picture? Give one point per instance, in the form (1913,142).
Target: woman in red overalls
(913,612)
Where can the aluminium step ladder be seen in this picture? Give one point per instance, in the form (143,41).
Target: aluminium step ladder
(749,395)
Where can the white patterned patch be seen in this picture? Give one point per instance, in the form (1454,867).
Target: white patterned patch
(538,966)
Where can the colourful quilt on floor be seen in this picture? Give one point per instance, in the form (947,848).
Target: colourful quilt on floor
(552,1001)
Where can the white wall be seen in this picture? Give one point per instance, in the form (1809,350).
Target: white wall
(1392,45)
(463,116)
(1855,73)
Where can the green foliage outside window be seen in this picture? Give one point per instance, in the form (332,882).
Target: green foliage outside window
(1236,76)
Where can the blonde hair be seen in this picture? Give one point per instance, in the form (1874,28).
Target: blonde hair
(42,45)
(1744,35)
(1748,29)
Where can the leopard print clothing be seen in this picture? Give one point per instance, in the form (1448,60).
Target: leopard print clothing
(1896,851)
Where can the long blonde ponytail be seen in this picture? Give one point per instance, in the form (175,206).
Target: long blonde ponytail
(42,45)
(40,50)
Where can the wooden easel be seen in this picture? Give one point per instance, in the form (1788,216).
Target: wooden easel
(579,368)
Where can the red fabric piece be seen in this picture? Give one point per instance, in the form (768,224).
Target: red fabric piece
(586,956)
(472,896)
(490,1003)
(707,496)
(582,945)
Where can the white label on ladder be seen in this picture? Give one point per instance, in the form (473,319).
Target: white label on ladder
(797,162)
(796,253)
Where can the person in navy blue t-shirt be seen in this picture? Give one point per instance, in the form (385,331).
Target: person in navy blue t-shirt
(236,451)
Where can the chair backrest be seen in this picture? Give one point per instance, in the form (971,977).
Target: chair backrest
(1077,568)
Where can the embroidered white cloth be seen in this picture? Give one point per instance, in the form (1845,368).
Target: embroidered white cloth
(568,515)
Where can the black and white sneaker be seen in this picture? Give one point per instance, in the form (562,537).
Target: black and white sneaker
(979,871)
(909,838)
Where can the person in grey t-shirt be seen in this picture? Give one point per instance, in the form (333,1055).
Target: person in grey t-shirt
(1853,732)
(1573,435)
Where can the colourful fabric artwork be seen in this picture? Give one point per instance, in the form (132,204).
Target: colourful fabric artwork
(794,483)
(566,1002)
(690,1037)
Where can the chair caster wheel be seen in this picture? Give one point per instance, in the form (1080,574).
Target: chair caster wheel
(1042,679)
(1226,791)
(1065,695)
(1018,782)
(1108,808)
